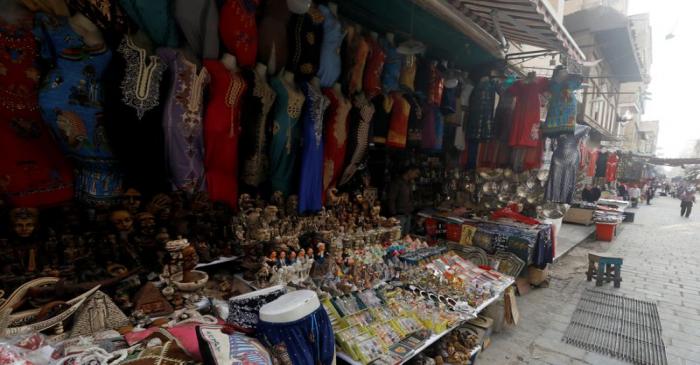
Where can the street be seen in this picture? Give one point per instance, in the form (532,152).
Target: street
(661,256)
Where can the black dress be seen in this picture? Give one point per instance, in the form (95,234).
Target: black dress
(255,107)
(565,161)
(305,34)
(133,116)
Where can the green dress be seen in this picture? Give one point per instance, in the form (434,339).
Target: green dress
(285,139)
(155,17)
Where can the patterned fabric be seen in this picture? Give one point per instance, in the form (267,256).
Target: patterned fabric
(243,309)
(38,174)
(305,41)
(134,92)
(311,179)
(238,30)
(182,122)
(329,70)
(561,115)
(309,340)
(71,102)
(219,348)
(392,66)
(256,107)
(285,139)
(561,182)
(336,138)
(481,111)
(222,130)
(155,18)
(358,143)
(168,353)
(356,55)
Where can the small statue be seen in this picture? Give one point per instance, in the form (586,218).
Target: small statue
(292,205)
(131,200)
(24,221)
(161,206)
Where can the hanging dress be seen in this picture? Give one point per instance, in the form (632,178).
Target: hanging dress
(182,122)
(311,176)
(335,138)
(392,66)
(134,100)
(561,182)
(71,102)
(357,51)
(272,34)
(238,30)
(257,103)
(611,167)
(107,15)
(525,131)
(561,114)
(372,82)
(305,40)
(358,143)
(285,138)
(155,18)
(36,172)
(398,122)
(222,130)
(198,21)
(481,111)
(329,70)
(592,162)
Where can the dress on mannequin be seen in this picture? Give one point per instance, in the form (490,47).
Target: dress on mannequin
(297,329)
(561,114)
(329,70)
(436,84)
(286,133)
(71,103)
(38,174)
(379,126)
(336,137)
(611,168)
(409,67)
(272,32)
(601,164)
(372,83)
(199,22)
(305,40)
(155,18)
(222,129)
(238,30)
(562,174)
(392,64)
(133,115)
(526,117)
(356,56)
(433,128)
(182,121)
(358,143)
(257,104)
(415,120)
(398,122)
(311,179)
(592,161)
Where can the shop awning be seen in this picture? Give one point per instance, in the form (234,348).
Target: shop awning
(614,38)
(530,22)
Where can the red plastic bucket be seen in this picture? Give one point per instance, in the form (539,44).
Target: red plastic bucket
(605,231)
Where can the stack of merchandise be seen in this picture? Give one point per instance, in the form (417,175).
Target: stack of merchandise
(610,215)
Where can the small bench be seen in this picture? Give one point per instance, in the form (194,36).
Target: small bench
(604,269)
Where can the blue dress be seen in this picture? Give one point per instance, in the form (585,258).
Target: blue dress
(561,114)
(329,69)
(311,181)
(71,102)
(392,66)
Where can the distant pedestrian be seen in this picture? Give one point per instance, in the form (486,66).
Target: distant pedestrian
(635,194)
(622,192)
(649,195)
(687,201)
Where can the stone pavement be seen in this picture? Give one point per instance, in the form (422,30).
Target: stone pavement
(661,253)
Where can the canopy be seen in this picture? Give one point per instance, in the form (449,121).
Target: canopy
(530,22)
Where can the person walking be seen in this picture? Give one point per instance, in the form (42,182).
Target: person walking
(687,201)
(635,194)
(649,194)
(400,200)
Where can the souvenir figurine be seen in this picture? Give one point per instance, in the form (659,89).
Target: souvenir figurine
(131,200)
(292,258)
(24,255)
(277,199)
(282,259)
(245,202)
(161,206)
(292,205)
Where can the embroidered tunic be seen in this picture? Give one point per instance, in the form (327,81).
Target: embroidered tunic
(305,37)
(256,106)
(311,179)
(238,30)
(222,129)
(134,96)
(71,102)
(335,138)
(38,174)
(182,122)
(286,138)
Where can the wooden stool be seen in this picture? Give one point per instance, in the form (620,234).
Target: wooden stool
(604,269)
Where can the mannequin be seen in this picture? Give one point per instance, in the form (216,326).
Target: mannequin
(290,307)
(299,6)
(229,61)
(288,78)
(87,29)
(261,70)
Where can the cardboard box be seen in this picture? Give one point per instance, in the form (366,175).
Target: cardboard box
(537,276)
(579,216)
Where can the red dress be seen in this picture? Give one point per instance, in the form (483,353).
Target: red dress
(526,116)
(611,168)
(336,138)
(372,83)
(398,122)
(33,171)
(238,30)
(592,162)
(222,129)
